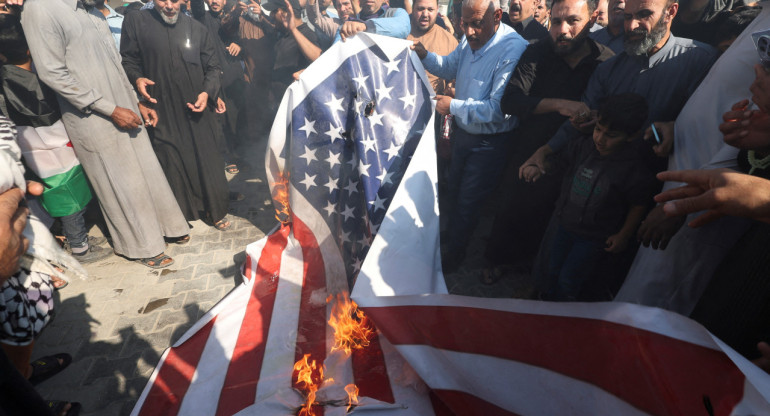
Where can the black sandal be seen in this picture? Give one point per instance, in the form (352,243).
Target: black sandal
(223,225)
(57,407)
(491,275)
(48,366)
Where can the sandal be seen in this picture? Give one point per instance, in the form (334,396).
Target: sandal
(231,168)
(181,240)
(222,225)
(491,275)
(157,262)
(47,367)
(57,407)
(58,283)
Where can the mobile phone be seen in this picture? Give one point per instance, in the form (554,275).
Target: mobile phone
(655,133)
(762,44)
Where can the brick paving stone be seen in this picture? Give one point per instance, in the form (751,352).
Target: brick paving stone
(172,273)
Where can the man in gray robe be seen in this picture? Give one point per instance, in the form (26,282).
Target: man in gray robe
(76,56)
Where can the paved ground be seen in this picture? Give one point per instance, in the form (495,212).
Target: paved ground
(117,324)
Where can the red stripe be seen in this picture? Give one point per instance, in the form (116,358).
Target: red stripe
(175,374)
(370,373)
(466,404)
(655,373)
(240,387)
(311,327)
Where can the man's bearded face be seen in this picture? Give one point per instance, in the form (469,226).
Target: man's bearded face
(570,24)
(639,41)
(168,10)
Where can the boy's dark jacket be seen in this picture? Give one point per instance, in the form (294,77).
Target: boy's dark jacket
(598,191)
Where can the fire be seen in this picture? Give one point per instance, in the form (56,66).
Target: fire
(352,392)
(281,199)
(309,378)
(351,327)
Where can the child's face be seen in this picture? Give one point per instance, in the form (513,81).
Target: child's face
(608,141)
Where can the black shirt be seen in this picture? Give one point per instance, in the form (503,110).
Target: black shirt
(541,74)
(529,28)
(288,55)
(598,191)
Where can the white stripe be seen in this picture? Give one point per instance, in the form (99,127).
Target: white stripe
(537,391)
(278,363)
(643,317)
(45,149)
(757,390)
(209,377)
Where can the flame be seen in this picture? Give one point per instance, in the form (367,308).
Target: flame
(309,377)
(281,199)
(352,392)
(351,327)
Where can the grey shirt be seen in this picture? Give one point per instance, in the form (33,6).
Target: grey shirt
(666,79)
(603,36)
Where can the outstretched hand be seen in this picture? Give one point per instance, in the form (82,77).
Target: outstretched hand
(719,192)
(200,103)
(141,87)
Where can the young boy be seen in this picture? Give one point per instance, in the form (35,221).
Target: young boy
(606,192)
(33,107)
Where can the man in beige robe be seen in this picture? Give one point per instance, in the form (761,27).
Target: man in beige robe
(75,54)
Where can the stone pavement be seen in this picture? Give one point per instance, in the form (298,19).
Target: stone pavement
(117,323)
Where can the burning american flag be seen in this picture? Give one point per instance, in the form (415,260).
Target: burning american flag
(351,163)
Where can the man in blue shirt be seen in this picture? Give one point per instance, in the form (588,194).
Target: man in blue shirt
(113,18)
(377,17)
(481,64)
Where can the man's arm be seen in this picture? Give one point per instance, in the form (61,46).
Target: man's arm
(46,42)
(473,111)
(517,99)
(326,24)
(212,69)
(440,66)
(618,242)
(395,23)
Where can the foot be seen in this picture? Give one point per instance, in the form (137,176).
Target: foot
(237,196)
(158,262)
(47,367)
(58,283)
(223,224)
(92,241)
(62,408)
(491,275)
(93,254)
(180,240)
(231,168)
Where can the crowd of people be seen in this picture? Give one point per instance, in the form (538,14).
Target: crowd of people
(565,116)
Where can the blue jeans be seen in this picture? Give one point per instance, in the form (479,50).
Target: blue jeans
(74,228)
(573,259)
(477,164)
